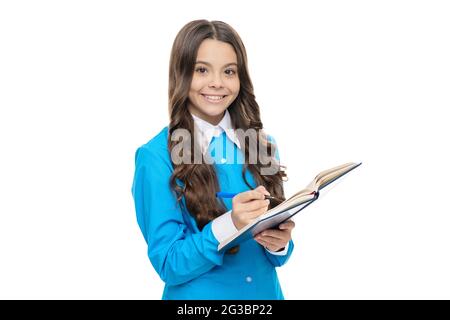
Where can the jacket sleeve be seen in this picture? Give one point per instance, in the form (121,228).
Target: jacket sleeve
(279,260)
(177,255)
(276,259)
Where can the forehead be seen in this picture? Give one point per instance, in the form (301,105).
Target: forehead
(216,52)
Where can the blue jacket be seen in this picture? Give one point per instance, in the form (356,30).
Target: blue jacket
(185,258)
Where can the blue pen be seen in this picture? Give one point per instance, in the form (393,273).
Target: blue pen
(231,195)
(225,194)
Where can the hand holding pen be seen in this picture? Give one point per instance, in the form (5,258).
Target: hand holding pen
(247,205)
(232,195)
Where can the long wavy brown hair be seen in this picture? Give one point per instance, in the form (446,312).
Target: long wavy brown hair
(198,183)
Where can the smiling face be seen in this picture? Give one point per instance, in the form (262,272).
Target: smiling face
(215,83)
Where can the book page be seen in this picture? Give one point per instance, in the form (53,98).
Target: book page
(291,202)
(321,179)
(314,185)
(325,178)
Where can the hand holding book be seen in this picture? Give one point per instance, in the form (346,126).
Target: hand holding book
(276,239)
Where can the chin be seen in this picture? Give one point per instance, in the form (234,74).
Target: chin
(213,110)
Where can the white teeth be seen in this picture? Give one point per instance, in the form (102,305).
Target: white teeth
(214,98)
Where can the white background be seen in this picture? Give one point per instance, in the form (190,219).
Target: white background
(84,83)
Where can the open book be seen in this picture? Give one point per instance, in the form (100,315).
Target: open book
(288,208)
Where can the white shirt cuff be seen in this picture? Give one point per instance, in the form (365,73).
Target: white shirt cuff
(223,227)
(280,253)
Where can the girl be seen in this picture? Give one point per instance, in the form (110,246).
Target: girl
(182,220)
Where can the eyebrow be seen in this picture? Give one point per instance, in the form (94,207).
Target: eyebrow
(209,64)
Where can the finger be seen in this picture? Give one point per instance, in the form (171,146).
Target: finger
(256,213)
(288,225)
(268,245)
(257,236)
(273,241)
(263,190)
(249,196)
(262,242)
(274,233)
(255,205)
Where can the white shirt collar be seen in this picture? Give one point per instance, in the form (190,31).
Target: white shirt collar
(206,131)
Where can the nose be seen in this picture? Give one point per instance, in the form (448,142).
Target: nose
(216,81)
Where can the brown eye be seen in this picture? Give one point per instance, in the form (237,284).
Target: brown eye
(232,72)
(200,69)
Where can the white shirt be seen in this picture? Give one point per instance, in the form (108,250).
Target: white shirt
(206,131)
(223,226)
